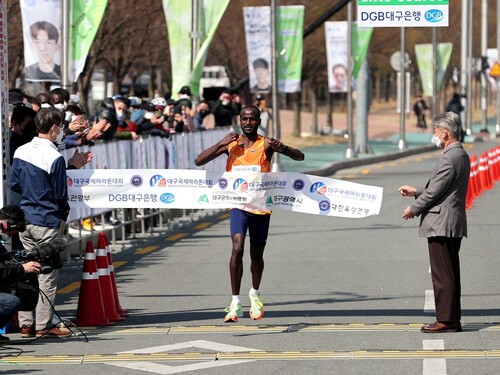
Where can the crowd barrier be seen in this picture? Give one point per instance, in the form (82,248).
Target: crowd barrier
(483,174)
(175,152)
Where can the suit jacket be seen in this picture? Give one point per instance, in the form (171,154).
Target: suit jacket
(441,203)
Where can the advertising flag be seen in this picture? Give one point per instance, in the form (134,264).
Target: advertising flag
(41,22)
(289,29)
(86,16)
(361,37)
(179,24)
(423,53)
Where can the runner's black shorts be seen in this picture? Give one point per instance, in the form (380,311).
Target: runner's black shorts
(257,225)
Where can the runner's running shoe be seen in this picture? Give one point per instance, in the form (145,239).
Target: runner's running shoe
(257,308)
(234,311)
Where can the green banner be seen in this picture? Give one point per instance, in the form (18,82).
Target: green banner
(423,53)
(289,31)
(179,24)
(361,37)
(86,16)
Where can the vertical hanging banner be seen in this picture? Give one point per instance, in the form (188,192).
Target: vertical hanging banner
(42,40)
(289,31)
(178,15)
(258,40)
(337,55)
(4,114)
(361,37)
(423,54)
(403,13)
(86,16)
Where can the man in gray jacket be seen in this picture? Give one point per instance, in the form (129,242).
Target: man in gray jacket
(441,205)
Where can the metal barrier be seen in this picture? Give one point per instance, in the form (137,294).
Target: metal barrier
(176,152)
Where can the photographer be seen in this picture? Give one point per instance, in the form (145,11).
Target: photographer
(14,295)
(39,174)
(225,108)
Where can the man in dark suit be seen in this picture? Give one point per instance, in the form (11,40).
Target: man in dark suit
(441,205)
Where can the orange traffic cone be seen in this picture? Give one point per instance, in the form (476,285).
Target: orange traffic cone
(491,167)
(476,187)
(108,297)
(90,310)
(118,307)
(483,172)
(496,164)
(469,196)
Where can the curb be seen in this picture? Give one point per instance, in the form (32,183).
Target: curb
(344,164)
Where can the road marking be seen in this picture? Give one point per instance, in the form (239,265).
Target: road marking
(118,264)
(365,171)
(176,237)
(69,288)
(304,328)
(202,225)
(223,216)
(147,249)
(159,351)
(434,366)
(429,305)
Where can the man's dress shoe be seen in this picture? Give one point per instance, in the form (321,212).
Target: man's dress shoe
(442,327)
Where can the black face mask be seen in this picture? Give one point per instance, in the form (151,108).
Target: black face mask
(204,113)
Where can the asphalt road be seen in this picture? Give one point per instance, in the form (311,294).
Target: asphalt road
(343,296)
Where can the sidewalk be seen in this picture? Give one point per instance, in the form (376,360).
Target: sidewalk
(328,154)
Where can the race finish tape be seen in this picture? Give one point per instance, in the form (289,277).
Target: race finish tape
(199,189)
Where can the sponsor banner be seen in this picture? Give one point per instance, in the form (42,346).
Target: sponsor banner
(198,189)
(86,16)
(423,53)
(41,21)
(403,13)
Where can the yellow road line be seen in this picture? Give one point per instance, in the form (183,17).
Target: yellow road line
(146,250)
(365,171)
(223,216)
(176,237)
(255,355)
(202,225)
(69,288)
(118,264)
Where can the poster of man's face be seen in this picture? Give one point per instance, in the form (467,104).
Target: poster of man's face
(339,78)
(42,40)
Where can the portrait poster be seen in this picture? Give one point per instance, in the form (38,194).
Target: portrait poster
(258,42)
(337,55)
(41,22)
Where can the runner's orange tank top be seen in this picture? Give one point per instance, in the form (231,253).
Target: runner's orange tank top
(254,155)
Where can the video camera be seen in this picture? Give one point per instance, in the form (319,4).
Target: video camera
(47,254)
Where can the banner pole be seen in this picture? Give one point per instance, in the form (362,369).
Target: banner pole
(276,166)
(66,69)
